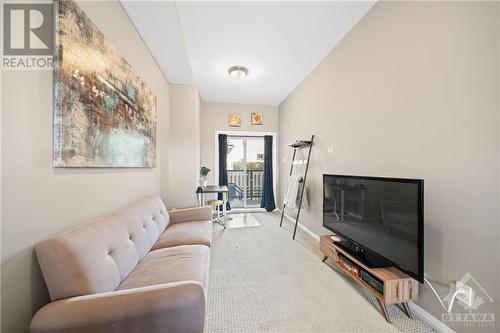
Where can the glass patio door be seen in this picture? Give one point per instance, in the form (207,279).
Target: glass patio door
(245,170)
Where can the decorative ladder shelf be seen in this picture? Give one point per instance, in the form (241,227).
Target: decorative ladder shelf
(297,145)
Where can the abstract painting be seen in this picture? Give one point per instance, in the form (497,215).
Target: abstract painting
(257,118)
(104,113)
(234,120)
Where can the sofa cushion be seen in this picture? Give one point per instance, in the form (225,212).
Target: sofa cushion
(190,214)
(96,256)
(186,233)
(172,264)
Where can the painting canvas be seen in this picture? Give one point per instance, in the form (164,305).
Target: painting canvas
(234,120)
(257,118)
(104,113)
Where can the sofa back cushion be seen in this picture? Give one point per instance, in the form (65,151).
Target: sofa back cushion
(96,256)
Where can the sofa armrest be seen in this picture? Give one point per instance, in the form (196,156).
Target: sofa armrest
(172,307)
(190,214)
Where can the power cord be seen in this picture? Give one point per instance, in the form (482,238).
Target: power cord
(453,297)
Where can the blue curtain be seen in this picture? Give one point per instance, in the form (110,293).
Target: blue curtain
(223,165)
(267,201)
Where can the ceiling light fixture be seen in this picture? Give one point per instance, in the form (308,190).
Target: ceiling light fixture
(238,72)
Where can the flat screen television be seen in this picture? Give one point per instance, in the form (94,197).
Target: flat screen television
(380,219)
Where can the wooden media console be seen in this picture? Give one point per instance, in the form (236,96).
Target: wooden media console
(388,285)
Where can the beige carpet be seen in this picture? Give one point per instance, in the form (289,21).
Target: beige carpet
(262,281)
(242,221)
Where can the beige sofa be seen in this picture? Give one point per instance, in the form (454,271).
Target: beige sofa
(137,269)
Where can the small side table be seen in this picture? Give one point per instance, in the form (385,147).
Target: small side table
(201,191)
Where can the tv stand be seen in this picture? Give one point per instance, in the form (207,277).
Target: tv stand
(387,284)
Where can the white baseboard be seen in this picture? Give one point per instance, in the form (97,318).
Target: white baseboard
(425,316)
(302,227)
(429,319)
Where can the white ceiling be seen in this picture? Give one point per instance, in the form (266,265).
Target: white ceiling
(279,42)
(159,27)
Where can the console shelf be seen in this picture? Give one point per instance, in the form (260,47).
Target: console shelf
(394,286)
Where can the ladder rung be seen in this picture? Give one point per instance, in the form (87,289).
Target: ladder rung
(299,162)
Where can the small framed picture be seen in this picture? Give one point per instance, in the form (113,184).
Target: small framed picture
(234,120)
(257,118)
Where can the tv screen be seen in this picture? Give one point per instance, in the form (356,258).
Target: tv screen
(383,216)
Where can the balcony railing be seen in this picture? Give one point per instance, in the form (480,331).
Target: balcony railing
(254,181)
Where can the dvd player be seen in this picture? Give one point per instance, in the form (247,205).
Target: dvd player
(372,282)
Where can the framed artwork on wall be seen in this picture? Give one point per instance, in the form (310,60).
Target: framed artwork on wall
(257,118)
(104,112)
(234,120)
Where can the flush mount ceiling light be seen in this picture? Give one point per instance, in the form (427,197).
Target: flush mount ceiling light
(238,72)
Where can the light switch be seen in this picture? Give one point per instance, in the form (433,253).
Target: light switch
(330,150)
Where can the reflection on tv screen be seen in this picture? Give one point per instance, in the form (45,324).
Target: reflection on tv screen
(380,214)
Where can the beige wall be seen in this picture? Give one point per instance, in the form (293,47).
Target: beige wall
(1,202)
(498,155)
(214,117)
(184,160)
(38,200)
(412,91)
